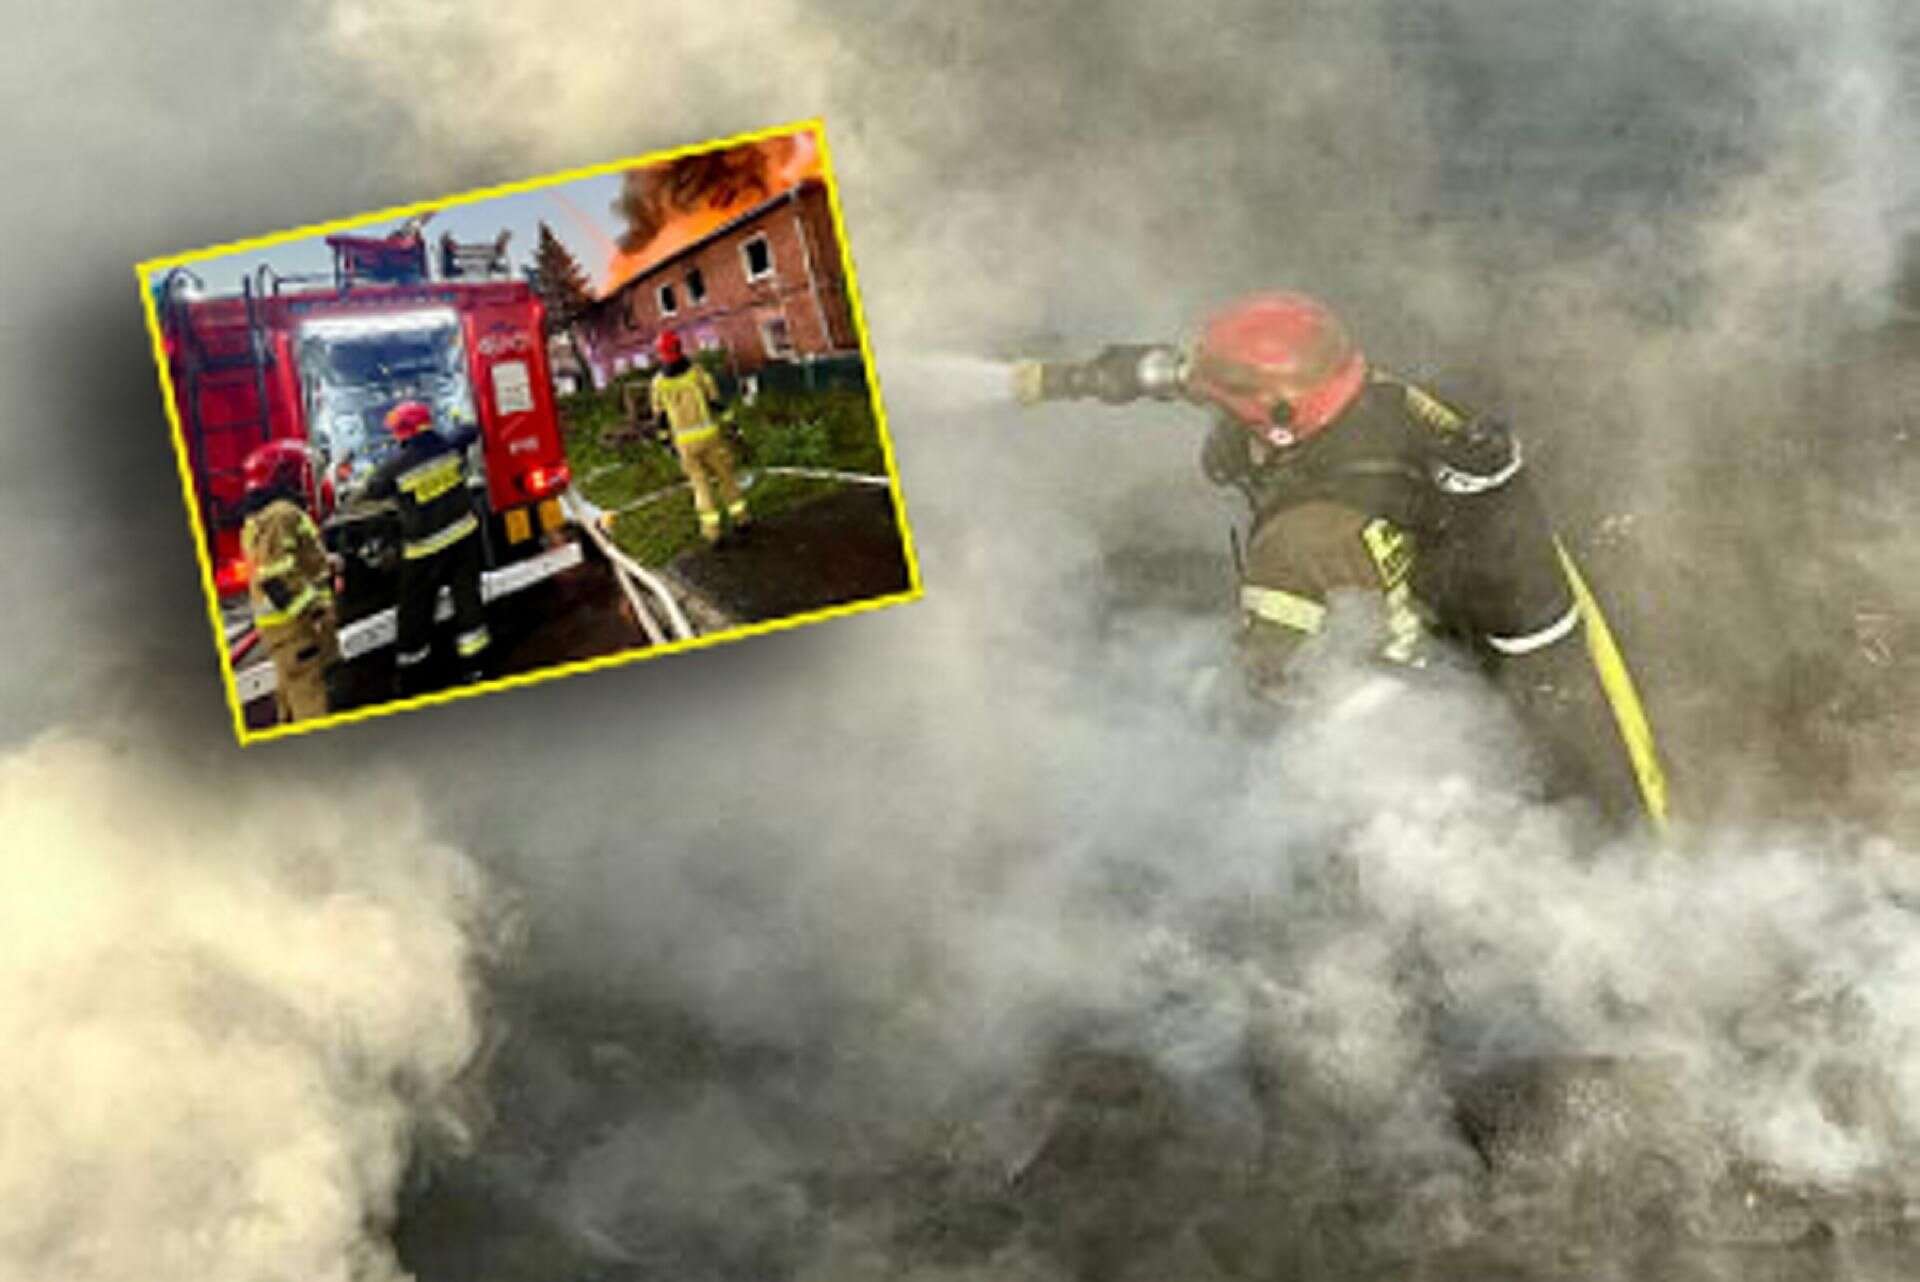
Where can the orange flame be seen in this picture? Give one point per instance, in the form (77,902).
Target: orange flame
(788,162)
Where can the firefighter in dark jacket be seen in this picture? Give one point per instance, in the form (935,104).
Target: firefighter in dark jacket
(1362,480)
(289,580)
(426,478)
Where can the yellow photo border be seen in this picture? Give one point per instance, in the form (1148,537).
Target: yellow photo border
(183,462)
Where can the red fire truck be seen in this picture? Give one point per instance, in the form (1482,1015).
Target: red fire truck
(322,359)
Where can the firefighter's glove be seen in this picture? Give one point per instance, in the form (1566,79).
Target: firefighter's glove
(1226,458)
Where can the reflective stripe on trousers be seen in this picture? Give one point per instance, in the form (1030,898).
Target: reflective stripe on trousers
(470,643)
(442,539)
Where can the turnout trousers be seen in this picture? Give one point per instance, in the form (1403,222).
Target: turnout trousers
(457,567)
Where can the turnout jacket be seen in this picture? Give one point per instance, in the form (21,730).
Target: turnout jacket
(427,478)
(1430,510)
(686,394)
(288,572)
(1411,498)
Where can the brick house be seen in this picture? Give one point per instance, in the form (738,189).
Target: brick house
(766,285)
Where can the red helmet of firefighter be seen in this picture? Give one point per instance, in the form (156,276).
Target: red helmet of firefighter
(667,347)
(1280,364)
(277,465)
(408,419)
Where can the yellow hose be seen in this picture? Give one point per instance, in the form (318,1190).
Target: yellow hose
(1611,667)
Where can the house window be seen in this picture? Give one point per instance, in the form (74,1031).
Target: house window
(758,256)
(775,338)
(669,301)
(696,286)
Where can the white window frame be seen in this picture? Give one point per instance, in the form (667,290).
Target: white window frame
(693,299)
(660,296)
(746,260)
(766,343)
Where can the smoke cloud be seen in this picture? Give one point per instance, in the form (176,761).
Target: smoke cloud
(231,1012)
(982,938)
(1651,236)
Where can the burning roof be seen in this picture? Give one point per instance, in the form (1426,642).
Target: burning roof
(672,205)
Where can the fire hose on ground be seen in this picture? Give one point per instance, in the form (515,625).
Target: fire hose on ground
(808,473)
(590,517)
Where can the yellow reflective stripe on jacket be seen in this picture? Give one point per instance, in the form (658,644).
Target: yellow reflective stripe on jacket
(1393,551)
(271,618)
(695,434)
(427,481)
(276,567)
(441,539)
(1611,667)
(1284,608)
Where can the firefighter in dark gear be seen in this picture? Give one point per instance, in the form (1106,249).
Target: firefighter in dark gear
(289,581)
(426,478)
(1358,479)
(687,396)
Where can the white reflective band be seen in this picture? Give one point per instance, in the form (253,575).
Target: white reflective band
(1284,608)
(1454,481)
(442,538)
(407,658)
(1527,644)
(471,643)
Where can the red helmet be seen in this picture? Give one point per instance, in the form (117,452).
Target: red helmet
(277,465)
(667,346)
(1280,363)
(406,419)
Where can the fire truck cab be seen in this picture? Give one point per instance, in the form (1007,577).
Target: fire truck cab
(322,359)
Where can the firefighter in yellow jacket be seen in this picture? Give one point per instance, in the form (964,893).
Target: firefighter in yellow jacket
(289,581)
(686,395)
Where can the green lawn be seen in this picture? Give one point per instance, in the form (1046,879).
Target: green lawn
(831,429)
(660,531)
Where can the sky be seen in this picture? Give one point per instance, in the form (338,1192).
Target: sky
(579,212)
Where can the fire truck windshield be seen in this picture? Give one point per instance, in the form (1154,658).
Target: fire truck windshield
(354,370)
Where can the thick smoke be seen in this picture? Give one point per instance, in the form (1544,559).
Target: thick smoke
(834,934)
(232,1011)
(1650,234)
(1642,234)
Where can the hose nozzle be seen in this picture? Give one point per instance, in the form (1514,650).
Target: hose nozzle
(1120,373)
(1030,382)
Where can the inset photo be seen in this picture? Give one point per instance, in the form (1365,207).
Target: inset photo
(524,432)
